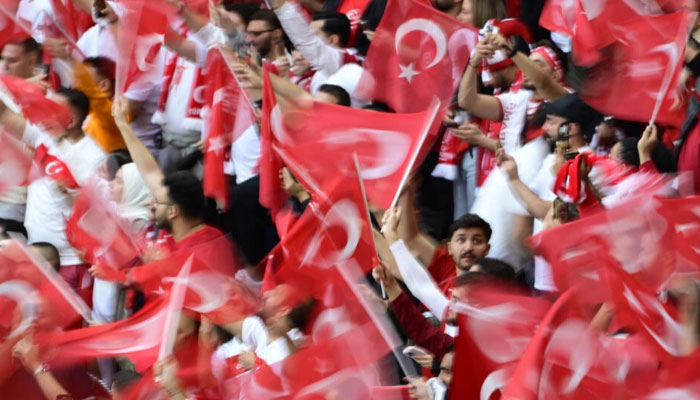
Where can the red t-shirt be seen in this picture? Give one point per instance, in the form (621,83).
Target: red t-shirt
(202,236)
(443,270)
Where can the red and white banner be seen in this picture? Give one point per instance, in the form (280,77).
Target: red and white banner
(36,107)
(272,196)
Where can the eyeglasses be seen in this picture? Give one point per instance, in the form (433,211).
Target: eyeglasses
(258,33)
(163,203)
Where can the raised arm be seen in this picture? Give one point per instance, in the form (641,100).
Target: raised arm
(420,246)
(320,54)
(479,105)
(148,167)
(537,207)
(547,85)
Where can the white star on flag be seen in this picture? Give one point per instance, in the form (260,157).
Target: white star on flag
(407,72)
(216,144)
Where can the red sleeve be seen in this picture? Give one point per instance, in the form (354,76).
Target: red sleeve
(419,328)
(648,167)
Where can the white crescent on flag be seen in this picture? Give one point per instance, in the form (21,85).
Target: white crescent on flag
(428,27)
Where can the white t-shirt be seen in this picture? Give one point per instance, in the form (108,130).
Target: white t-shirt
(516,107)
(47,206)
(245,154)
(98,41)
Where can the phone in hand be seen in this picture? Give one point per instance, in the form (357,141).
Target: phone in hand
(99,6)
(413,351)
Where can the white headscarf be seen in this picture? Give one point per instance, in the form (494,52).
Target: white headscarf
(135,195)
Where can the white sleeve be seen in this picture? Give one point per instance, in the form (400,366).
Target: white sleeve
(418,280)
(320,54)
(210,36)
(254,334)
(32,135)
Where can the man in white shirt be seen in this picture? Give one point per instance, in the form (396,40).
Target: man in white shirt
(49,201)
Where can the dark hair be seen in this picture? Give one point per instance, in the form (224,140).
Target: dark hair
(491,270)
(185,191)
(124,378)
(29,45)
(267,16)
(663,159)
(561,56)
(49,252)
(10,225)
(244,9)
(335,23)
(340,94)
(300,315)
(116,160)
(629,152)
(104,66)
(77,100)
(378,106)
(470,221)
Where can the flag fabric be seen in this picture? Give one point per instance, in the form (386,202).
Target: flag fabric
(73,20)
(35,106)
(143,24)
(39,293)
(48,165)
(15,163)
(417,53)
(643,64)
(495,325)
(230,114)
(322,139)
(271,196)
(96,230)
(11,29)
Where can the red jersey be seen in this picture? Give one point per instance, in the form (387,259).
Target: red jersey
(443,270)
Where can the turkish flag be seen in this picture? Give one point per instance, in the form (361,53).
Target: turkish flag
(230,114)
(271,196)
(495,325)
(73,20)
(635,235)
(142,27)
(643,64)
(96,230)
(417,53)
(139,336)
(211,289)
(321,138)
(15,163)
(566,359)
(334,229)
(36,290)
(46,164)
(36,107)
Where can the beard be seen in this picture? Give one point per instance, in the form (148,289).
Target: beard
(529,86)
(443,5)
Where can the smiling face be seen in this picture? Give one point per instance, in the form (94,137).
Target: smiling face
(466,246)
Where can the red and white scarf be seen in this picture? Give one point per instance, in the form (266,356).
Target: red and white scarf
(196,101)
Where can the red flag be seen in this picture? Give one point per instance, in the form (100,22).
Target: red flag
(335,229)
(10,28)
(495,326)
(417,53)
(566,359)
(644,64)
(48,165)
(73,20)
(35,106)
(211,289)
(96,230)
(570,18)
(41,295)
(143,24)
(271,196)
(230,114)
(138,336)
(321,139)
(15,163)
